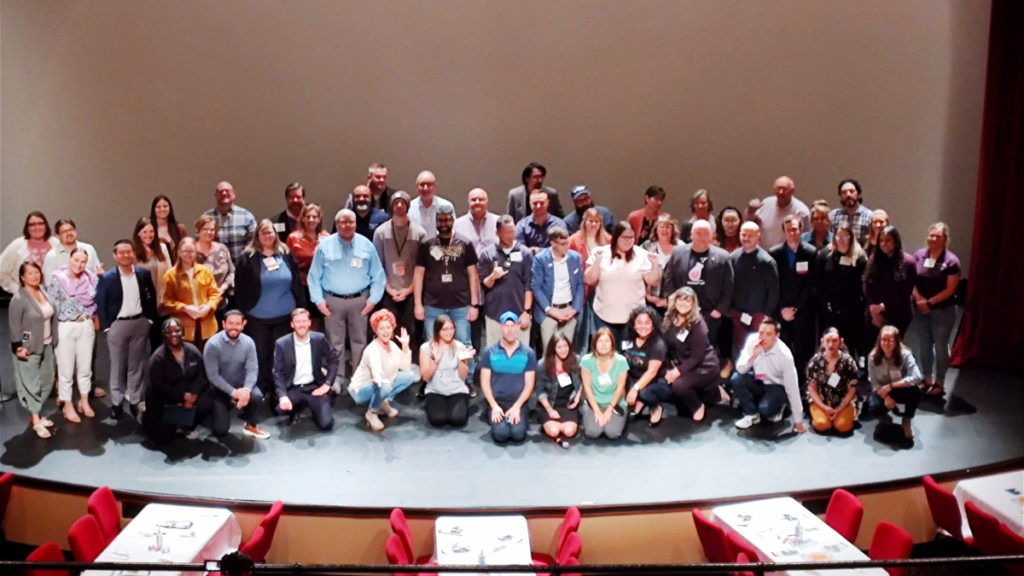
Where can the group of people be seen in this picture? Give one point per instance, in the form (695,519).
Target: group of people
(585,319)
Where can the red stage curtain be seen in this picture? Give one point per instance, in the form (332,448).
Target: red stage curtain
(992,333)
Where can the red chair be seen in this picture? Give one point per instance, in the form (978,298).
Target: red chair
(1014,545)
(945,510)
(844,514)
(737,545)
(712,539)
(103,506)
(572,562)
(570,524)
(742,558)
(86,539)
(49,552)
(890,542)
(395,550)
(400,527)
(569,552)
(6,482)
(269,521)
(257,546)
(985,528)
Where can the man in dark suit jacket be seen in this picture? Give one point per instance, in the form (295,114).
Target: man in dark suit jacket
(126,306)
(304,368)
(796,261)
(705,268)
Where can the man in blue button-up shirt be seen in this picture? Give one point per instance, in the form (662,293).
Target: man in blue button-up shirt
(346,281)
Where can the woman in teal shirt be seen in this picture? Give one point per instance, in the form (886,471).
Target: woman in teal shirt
(604,372)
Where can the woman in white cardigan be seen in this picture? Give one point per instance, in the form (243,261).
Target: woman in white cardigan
(383,371)
(33,244)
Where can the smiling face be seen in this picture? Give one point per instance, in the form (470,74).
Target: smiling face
(750,235)
(643,326)
(233,325)
(31,277)
(478,203)
(301,324)
(887,342)
(849,196)
(562,349)
(187,253)
(267,237)
(843,240)
(162,209)
(819,221)
(603,346)
(591,226)
(731,223)
(311,220)
(67,234)
(626,241)
(361,199)
(208,233)
(295,200)
(447,332)
(784,189)
(887,244)
(147,234)
(225,195)
(684,304)
(124,254)
(701,206)
(172,335)
(793,228)
(385,330)
(377,180)
(936,239)
(36,228)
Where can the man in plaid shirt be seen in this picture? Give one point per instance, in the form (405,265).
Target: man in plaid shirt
(235,225)
(851,213)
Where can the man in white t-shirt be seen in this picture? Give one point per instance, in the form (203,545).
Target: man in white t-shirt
(771,212)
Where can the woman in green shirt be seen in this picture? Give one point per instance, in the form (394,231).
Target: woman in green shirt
(604,372)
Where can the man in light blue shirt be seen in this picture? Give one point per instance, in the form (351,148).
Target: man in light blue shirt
(346,281)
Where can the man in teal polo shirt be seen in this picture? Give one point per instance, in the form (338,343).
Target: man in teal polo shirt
(508,371)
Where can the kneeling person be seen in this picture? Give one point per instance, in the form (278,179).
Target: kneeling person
(305,365)
(177,395)
(832,386)
(508,371)
(765,379)
(232,368)
(383,370)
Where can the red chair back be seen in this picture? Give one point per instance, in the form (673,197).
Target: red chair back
(1014,544)
(570,524)
(985,528)
(86,539)
(6,482)
(944,508)
(742,558)
(712,538)
(395,551)
(49,552)
(400,527)
(737,545)
(890,542)
(103,506)
(257,546)
(269,521)
(844,514)
(572,562)
(572,548)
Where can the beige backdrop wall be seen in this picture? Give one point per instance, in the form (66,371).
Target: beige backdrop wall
(107,103)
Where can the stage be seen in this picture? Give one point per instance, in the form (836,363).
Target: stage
(418,467)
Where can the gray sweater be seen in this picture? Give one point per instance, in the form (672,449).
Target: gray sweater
(25,320)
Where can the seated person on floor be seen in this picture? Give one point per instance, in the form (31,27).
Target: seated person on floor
(508,372)
(832,386)
(444,366)
(383,370)
(305,365)
(894,376)
(177,395)
(765,379)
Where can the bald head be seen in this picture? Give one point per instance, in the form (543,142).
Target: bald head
(478,203)
(700,234)
(784,189)
(750,236)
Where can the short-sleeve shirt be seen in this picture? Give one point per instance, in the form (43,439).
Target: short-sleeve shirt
(604,385)
(638,357)
(445,279)
(846,370)
(932,275)
(507,380)
(508,293)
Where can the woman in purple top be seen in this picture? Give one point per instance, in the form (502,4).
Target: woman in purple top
(938,274)
(888,282)
(72,291)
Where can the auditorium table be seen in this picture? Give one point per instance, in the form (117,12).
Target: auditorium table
(483,540)
(1001,495)
(782,530)
(189,534)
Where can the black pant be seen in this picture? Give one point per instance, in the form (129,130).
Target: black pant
(222,405)
(163,432)
(403,312)
(447,410)
(264,332)
(319,406)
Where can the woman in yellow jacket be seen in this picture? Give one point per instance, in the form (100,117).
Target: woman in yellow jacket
(191,295)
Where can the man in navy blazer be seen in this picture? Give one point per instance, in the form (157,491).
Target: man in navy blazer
(126,306)
(557,287)
(304,368)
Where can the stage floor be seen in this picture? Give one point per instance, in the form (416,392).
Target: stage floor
(415,466)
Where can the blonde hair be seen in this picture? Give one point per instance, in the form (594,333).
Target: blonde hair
(255,247)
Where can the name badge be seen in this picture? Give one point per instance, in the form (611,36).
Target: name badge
(564,380)
(446,278)
(271,263)
(398,268)
(801,268)
(929,262)
(279,227)
(604,379)
(627,345)
(746,319)
(682,335)
(357,262)
(845,261)
(516,257)
(833,380)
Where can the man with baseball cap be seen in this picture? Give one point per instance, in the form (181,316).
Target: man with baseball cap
(581,198)
(508,371)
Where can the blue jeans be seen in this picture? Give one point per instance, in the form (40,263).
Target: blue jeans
(460,318)
(928,336)
(756,397)
(373,394)
(504,431)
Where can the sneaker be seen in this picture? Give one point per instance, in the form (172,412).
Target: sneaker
(777,417)
(748,421)
(374,421)
(388,409)
(192,434)
(255,432)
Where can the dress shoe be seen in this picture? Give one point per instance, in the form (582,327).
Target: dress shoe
(116,412)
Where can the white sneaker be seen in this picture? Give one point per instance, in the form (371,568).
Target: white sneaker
(374,421)
(777,417)
(748,421)
(388,409)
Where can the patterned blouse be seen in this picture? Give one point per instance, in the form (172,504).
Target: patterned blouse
(219,260)
(846,370)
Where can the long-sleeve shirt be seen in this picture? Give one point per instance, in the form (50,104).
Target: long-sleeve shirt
(773,367)
(73,299)
(345,268)
(887,372)
(755,282)
(380,366)
(231,365)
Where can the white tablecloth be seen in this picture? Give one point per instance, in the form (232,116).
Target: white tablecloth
(190,534)
(1001,495)
(485,540)
(782,530)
